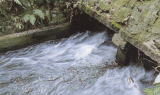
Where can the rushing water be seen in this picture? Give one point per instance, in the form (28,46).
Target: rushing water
(82,64)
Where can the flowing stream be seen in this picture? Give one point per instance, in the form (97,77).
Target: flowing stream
(82,64)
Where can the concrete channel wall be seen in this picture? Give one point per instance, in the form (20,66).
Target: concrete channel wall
(137,21)
(59,27)
(22,39)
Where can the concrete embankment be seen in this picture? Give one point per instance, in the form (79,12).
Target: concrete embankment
(137,21)
(22,39)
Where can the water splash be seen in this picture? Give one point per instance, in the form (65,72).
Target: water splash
(121,81)
(78,64)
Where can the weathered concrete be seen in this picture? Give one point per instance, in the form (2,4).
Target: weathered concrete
(138,21)
(19,40)
(118,40)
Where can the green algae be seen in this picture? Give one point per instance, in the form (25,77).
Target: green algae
(115,25)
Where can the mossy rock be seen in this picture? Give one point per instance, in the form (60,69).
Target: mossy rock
(120,15)
(115,25)
(120,3)
(103,5)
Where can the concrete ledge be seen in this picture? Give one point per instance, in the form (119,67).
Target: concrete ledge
(148,47)
(118,40)
(102,18)
(19,40)
(137,21)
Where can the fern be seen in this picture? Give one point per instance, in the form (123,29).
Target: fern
(39,13)
(32,19)
(17,15)
(18,2)
(26,18)
(19,25)
(29,18)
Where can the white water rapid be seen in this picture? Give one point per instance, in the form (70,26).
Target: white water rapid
(78,65)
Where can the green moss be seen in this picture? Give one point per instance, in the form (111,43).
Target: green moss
(142,36)
(120,15)
(156,27)
(120,3)
(104,5)
(90,2)
(131,3)
(116,25)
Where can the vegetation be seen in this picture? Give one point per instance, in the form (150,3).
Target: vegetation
(153,91)
(18,15)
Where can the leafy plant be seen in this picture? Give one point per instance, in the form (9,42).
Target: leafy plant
(33,16)
(18,15)
(156,89)
(153,91)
